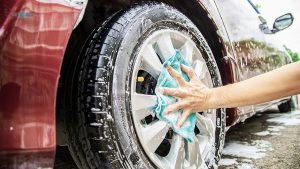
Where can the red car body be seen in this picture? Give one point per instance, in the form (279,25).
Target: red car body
(34,35)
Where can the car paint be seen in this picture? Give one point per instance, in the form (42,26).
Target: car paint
(34,35)
(230,68)
(255,52)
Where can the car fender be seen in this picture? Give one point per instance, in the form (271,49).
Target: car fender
(34,35)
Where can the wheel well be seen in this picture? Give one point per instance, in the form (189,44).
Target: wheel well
(97,11)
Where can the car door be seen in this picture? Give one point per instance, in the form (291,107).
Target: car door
(242,22)
(275,54)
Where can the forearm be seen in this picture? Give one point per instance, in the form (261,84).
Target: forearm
(276,84)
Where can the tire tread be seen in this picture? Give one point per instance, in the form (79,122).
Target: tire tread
(94,76)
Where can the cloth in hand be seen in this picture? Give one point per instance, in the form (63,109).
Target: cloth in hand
(166,80)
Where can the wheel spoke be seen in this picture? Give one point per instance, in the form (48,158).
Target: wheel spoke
(187,51)
(154,134)
(207,80)
(200,69)
(175,158)
(206,135)
(151,62)
(142,113)
(165,47)
(203,142)
(194,153)
(143,101)
(205,126)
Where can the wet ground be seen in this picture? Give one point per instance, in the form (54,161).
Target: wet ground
(268,140)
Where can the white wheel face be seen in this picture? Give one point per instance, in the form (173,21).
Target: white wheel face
(179,153)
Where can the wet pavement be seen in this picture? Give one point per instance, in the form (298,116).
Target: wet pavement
(267,140)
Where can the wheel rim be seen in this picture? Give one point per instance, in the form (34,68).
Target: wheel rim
(152,134)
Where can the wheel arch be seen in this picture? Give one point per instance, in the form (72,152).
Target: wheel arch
(98,11)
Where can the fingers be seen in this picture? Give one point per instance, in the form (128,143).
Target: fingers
(174,107)
(189,71)
(177,76)
(175,92)
(183,118)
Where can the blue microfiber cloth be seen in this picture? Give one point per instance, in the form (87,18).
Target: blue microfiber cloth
(166,80)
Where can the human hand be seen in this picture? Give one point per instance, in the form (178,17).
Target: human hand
(193,96)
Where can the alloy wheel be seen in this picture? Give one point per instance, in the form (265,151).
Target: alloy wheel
(163,147)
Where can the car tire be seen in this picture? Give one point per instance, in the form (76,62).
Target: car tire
(101,133)
(288,105)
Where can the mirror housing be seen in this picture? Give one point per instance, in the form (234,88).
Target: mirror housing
(282,22)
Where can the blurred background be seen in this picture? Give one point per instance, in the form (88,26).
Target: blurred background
(271,9)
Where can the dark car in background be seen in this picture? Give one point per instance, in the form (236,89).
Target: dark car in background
(82,74)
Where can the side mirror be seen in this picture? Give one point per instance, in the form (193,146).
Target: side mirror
(283,22)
